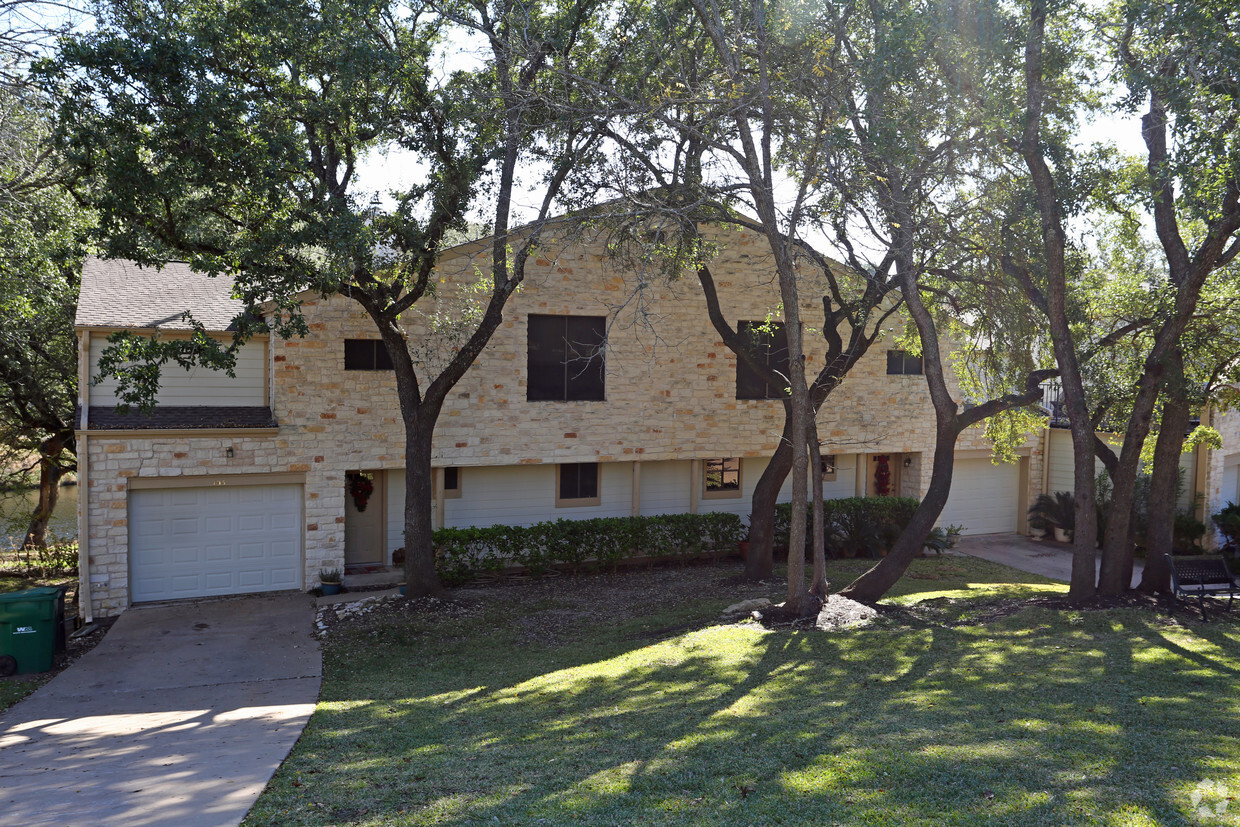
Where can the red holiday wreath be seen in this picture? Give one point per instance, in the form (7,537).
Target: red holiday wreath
(882,476)
(361,487)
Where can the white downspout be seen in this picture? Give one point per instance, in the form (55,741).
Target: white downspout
(85,602)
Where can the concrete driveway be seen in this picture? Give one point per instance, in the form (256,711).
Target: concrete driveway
(1044,557)
(178,717)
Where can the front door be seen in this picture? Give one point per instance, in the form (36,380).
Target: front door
(363,519)
(884,475)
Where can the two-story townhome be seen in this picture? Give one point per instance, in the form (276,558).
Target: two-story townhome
(582,406)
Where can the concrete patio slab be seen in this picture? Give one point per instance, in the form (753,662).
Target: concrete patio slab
(179,717)
(1044,557)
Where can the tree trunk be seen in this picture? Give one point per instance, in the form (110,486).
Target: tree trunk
(1115,576)
(759,565)
(818,583)
(49,494)
(420,576)
(798,600)
(1160,533)
(873,584)
(1084,548)
(1083,586)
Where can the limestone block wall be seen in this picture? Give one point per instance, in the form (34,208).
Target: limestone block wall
(670,381)
(115,460)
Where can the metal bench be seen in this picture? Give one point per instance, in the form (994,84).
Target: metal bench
(1201,577)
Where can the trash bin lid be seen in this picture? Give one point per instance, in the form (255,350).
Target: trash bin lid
(40,592)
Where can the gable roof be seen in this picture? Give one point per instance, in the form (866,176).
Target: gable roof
(120,293)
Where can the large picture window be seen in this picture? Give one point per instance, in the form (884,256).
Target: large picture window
(565,358)
(770,343)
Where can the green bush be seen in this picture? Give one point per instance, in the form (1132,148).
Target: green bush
(59,559)
(855,526)
(462,554)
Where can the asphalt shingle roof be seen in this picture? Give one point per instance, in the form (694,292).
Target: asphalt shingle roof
(119,293)
(106,418)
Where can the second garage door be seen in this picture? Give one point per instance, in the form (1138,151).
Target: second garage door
(201,542)
(984,497)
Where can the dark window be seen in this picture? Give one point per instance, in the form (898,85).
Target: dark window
(366,354)
(770,345)
(723,475)
(566,358)
(451,479)
(828,467)
(579,481)
(900,362)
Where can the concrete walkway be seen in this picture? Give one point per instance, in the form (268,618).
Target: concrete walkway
(1044,557)
(179,717)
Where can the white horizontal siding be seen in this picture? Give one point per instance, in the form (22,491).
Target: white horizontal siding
(1188,473)
(665,487)
(1061,476)
(525,494)
(200,386)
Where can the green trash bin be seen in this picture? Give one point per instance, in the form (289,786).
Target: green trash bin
(29,621)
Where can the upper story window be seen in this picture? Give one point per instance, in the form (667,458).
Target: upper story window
(902,362)
(721,477)
(366,354)
(566,358)
(770,341)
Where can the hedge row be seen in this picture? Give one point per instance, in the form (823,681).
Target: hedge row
(464,553)
(855,526)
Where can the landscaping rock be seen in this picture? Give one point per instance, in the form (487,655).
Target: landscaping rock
(840,612)
(745,608)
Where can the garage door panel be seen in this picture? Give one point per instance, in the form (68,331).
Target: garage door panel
(185,554)
(218,553)
(198,542)
(252,523)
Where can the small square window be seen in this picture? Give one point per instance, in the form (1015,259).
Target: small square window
(901,362)
(828,467)
(721,478)
(451,483)
(366,354)
(578,484)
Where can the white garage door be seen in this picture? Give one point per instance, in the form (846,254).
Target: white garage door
(199,542)
(983,498)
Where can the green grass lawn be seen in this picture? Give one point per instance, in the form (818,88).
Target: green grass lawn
(547,704)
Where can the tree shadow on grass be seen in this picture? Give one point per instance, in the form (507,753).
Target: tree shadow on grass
(1030,720)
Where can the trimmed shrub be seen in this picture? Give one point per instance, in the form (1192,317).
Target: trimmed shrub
(855,526)
(462,554)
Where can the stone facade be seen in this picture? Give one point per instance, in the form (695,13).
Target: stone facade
(670,395)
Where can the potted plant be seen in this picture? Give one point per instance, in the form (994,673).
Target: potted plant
(330,580)
(1054,512)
